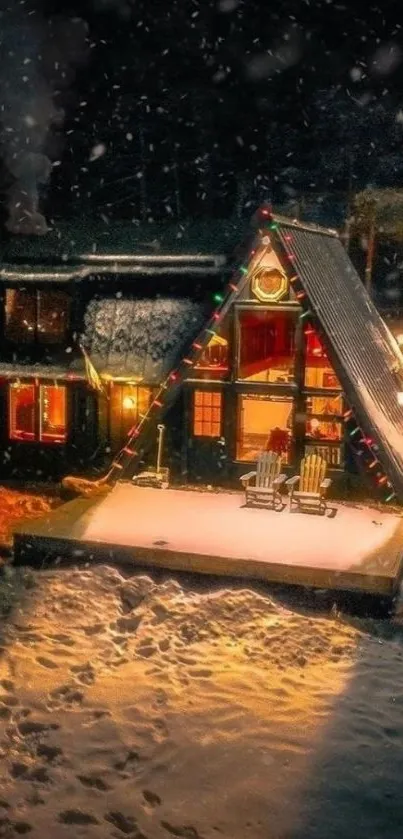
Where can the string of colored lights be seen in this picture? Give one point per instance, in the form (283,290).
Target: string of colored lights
(223,300)
(365,448)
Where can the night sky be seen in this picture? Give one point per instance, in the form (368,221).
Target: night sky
(200,108)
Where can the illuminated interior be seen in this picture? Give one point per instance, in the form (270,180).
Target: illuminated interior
(135,401)
(324,418)
(36,316)
(207,413)
(269,284)
(37,413)
(324,427)
(128,403)
(328,405)
(324,430)
(332,454)
(264,424)
(319,372)
(52,414)
(266,346)
(22,412)
(213,362)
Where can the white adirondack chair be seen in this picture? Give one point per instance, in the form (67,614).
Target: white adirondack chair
(262,486)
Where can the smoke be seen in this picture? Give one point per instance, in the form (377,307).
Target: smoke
(38,60)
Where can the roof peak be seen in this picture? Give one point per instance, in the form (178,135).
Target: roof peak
(303,225)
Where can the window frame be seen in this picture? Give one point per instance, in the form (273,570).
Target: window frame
(324,393)
(37,438)
(121,419)
(286,308)
(328,369)
(272,396)
(38,338)
(200,372)
(204,392)
(13,388)
(336,445)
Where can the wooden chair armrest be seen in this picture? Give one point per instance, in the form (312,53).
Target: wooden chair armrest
(326,483)
(292,481)
(248,477)
(279,480)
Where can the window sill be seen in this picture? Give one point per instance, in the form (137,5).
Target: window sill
(35,442)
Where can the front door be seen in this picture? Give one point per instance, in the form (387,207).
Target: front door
(206,446)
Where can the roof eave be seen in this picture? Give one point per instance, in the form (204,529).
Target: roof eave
(303,225)
(14,274)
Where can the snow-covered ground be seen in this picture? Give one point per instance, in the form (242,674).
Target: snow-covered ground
(16,505)
(130,707)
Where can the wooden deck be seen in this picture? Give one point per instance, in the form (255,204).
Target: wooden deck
(355,548)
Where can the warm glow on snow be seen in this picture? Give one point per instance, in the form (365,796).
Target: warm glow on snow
(126,702)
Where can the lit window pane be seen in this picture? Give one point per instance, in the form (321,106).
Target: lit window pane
(264,424)
(20,316)
(52,414)
(213,362)
(319,372)
(330,405)
(22,412)
(267,346)
(206,418)
(53,316)
(332,454)
(318,430)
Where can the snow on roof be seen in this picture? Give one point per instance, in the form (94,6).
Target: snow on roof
(144,338)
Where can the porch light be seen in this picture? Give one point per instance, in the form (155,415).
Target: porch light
(129,403)
(400,398)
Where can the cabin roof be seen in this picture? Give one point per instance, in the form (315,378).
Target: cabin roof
(141,337)
(96,243)
(364,353)
(147,337)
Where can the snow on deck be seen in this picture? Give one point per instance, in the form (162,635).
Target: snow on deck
(354,547)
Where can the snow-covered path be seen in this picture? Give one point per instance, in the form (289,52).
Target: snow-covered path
(140,709)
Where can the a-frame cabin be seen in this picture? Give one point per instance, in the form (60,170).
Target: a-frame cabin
(283,350)
(294,357)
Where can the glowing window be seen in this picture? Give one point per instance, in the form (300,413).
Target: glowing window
(269,284)
(213,362)
(53,313)
(317,429)
(332,454)
(319,372)
(52,414)
(37,413)
(264,424)
(207,413)
(128,404)
(325,405)
(324,417)
(36,316)
(22,412)
(20,316)
(267,346)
